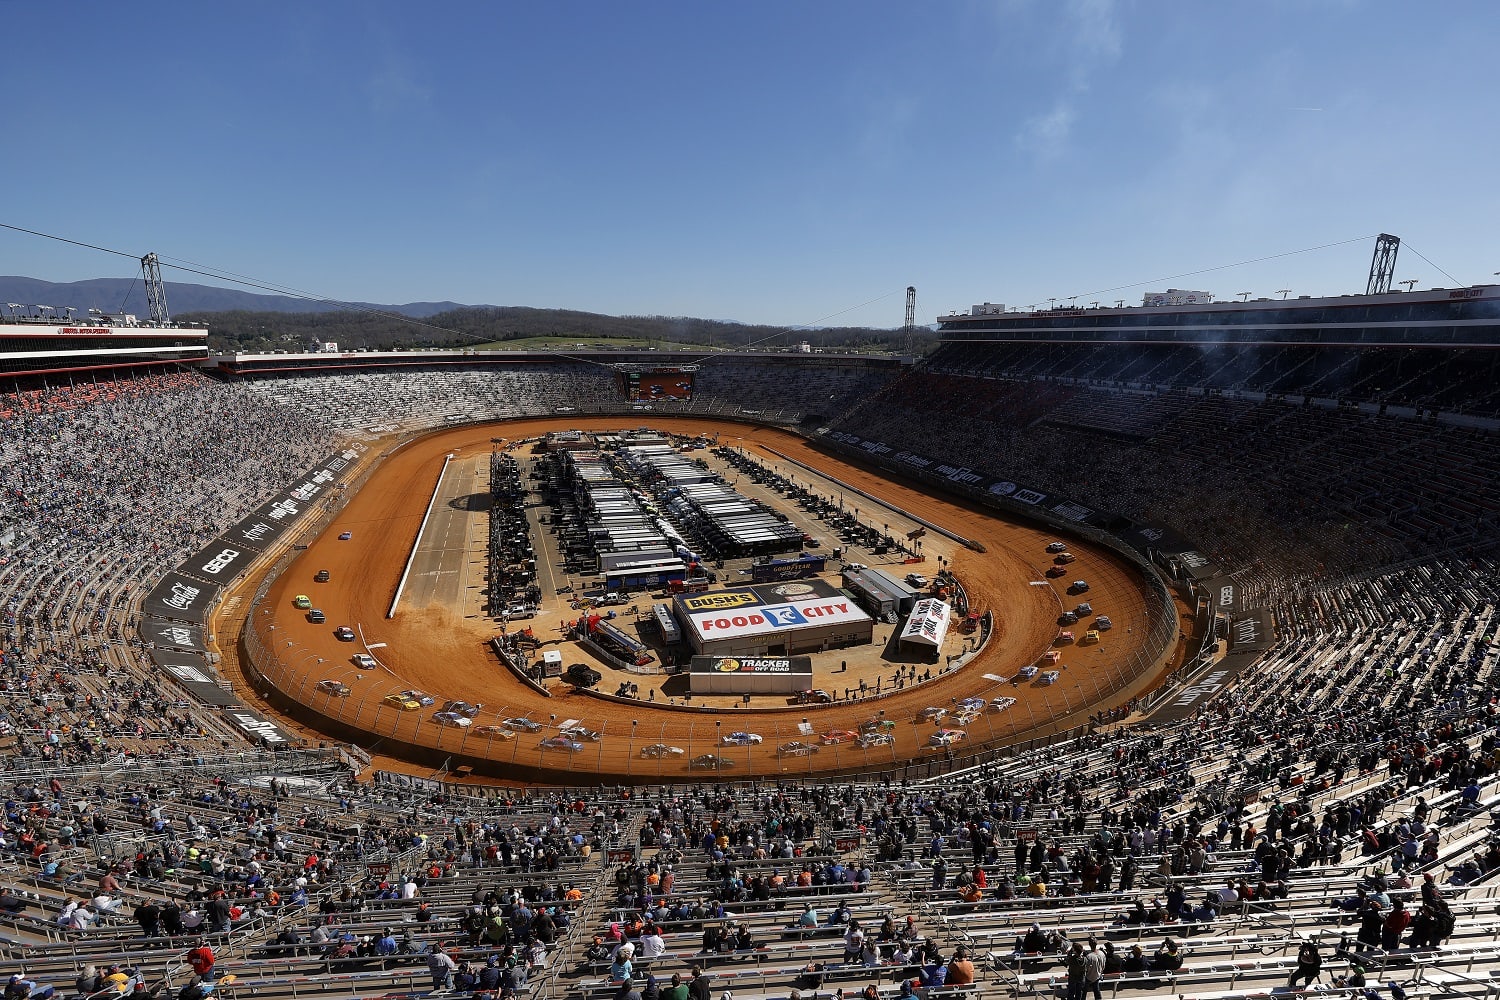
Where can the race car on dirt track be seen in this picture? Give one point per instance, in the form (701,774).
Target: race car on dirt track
(875,739)
(523,724)
(659,750)
(401,702)
(741,739)
(495,732)
(796,748)
(336,688)
(946,737)
(452,720)
(710,762)
(561,743)
(836,736)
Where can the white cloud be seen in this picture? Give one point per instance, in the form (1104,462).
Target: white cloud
(1045,135)
(395,89)
(1091,40)
(1094,26)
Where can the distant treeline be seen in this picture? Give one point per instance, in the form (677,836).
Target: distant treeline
(275,331)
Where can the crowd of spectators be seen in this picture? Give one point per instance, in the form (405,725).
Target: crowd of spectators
(1295,498)
(1338,797)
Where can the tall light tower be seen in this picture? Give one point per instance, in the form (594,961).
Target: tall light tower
(156,291)
(1383,264)
(909,331)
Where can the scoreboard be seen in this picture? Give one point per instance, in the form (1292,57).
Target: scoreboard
(647,385)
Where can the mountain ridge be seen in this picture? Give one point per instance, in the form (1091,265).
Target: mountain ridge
(128,295)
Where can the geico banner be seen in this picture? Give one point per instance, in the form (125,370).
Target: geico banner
(731,623)
(1223,596)
(220,562)
(181,598)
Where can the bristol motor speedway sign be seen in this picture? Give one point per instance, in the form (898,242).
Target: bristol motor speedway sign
(731,623)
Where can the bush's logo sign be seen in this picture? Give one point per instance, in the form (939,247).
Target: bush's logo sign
(1003,489)
(182,596)
(715,602)
(221,562)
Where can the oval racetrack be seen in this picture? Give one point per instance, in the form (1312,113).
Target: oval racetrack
(436,649)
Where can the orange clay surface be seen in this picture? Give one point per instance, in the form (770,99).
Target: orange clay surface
(437,643)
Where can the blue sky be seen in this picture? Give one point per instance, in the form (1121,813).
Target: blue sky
(780,162)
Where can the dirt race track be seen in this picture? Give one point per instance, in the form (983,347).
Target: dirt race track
(440,648)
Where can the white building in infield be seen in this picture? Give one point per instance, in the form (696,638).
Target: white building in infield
(772,619)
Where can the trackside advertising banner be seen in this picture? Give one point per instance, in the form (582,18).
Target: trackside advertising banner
(181,599)
(220,563)
(171,635)
(973,479)
(254,532)
(752,665)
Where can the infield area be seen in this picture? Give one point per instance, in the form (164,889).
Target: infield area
(436,642)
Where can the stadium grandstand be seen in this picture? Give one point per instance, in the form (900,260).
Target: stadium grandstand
(1323,813)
